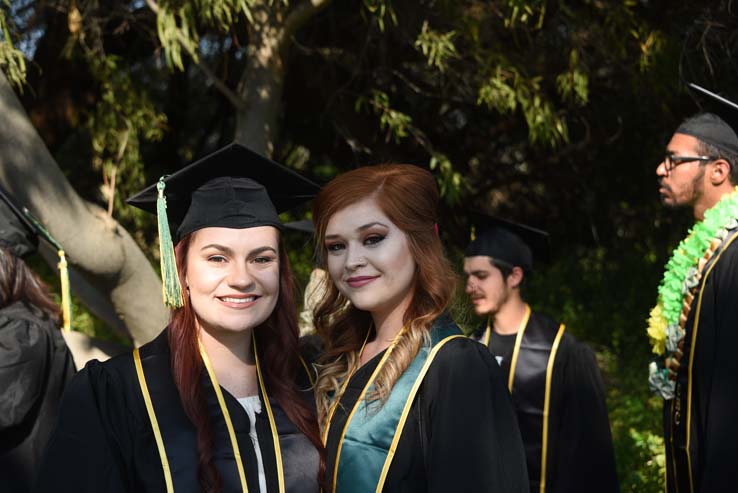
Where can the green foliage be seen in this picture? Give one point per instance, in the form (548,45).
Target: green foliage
(437,47)
(525,12)
(451,183)
(12,60)
(507,89)
(573,85)
(395,123)
(175,26)
(122,118)
(381,10)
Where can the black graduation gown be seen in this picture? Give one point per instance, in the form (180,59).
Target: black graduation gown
(444,446)
(104,439)
(712,457)
(580,455)
(35,367)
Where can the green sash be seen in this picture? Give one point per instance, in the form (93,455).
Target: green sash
(373,430)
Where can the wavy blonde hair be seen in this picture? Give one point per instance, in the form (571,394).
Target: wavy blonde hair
(408,196)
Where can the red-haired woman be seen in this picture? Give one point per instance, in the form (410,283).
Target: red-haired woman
(219,401)
(406,404)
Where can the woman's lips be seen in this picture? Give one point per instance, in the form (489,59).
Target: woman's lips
(359,281)
(238,302)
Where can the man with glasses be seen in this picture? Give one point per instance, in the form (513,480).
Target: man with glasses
(700,376)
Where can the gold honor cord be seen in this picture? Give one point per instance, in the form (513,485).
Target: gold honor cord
(673,457)
(406,411)
(272,424)
(154,421)
(516,350)
(691,361)
(359,401)
(307,370)
(332,410)
(547,403)
(226,417)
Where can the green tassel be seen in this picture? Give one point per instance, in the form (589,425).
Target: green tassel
(171,289)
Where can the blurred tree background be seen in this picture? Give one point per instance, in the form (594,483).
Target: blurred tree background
(550,113)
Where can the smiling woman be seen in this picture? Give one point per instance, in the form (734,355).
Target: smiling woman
(401,394)
(217,402)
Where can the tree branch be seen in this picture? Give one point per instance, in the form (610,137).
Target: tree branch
(226,91)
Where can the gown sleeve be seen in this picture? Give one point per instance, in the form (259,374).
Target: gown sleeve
(84,451)
(473,439)
(715,381)
(24,359)
(586,461)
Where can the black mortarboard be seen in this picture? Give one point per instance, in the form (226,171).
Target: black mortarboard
(233,187)
(303,226)
(717,126)
(507,242)
(17,233)
(20,233)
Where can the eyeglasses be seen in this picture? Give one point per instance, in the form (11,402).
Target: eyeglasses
(671,161)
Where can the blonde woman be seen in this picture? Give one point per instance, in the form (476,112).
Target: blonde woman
(405,403)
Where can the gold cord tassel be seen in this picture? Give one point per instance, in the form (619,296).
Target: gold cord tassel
(66,299)
(171,289)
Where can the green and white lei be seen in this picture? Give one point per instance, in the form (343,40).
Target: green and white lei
(683,274)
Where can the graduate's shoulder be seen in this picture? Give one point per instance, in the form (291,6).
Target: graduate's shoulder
(462,354)
(117,375)
(727,257)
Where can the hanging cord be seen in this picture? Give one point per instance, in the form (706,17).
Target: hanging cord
(63,266)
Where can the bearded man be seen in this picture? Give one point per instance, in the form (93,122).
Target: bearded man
(695,322)
(554,380)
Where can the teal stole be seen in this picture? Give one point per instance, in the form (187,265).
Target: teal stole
(373,430)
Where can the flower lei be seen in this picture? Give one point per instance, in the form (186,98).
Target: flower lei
(682,276)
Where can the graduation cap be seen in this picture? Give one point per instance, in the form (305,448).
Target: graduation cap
(507,242)
(20,233)
(303,226)
(233,187)
(717,126)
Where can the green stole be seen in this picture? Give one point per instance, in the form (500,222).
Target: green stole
(373,430)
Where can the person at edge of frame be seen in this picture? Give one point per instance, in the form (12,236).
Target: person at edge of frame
(698,172)
(35,363)
(556,386)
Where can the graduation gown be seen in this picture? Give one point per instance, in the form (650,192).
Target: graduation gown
(578,443)
(444,446)
(701,422)
(35,367)
(104,439)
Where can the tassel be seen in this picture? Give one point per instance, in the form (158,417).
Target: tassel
(473,233)
(66,299)
(171,289)
(63,266)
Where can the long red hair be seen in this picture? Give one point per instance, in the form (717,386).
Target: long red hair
(277,342)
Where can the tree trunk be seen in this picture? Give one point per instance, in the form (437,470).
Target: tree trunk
(114,272)
(260,87)
(262,82)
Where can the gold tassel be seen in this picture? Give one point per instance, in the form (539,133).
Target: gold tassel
(66,299)
(171,289)
(473,233)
